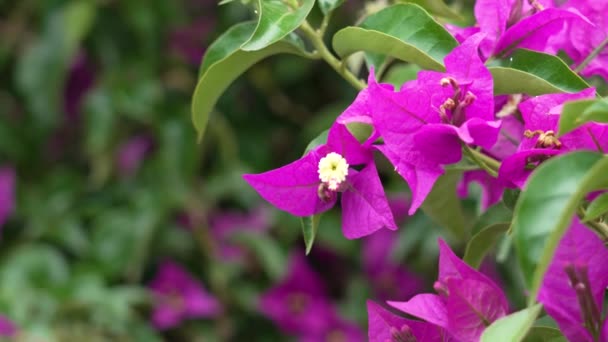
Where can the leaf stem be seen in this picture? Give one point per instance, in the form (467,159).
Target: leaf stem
(591,56)
(316,40)
(599,227)
(489,164)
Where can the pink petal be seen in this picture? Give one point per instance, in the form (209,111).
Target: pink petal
(293,187)
(365,208)
(492,16)
(381,321)
(340,140)
(428,307)
(513,171)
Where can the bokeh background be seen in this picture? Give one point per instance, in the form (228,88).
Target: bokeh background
(116,225)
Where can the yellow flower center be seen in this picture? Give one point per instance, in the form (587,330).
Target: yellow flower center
(333,170)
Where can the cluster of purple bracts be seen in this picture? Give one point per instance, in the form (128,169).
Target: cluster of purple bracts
(424,126)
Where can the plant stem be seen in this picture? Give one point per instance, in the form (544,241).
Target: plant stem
(591,56)
(600,227)
(489,164)
(316,40)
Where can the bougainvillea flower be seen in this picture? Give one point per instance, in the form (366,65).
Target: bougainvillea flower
(224,225)
(298,304)
(7,193)
(467,303)
(7,327)
(424,124)
(79,82)
(385,326)
(310,185)
(509,24)
(581,39)
(131,154)
(573,288)
(178,296)
(491,188)
(541,117)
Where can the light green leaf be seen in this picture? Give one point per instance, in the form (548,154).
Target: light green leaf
(577,113)
(546,206)
(405,31)
(512,328)
(443,206)
(437,7)
(327,6)
(310,225)
(597,208)
(533,73)
(224,62)
(481,243)
(277,19)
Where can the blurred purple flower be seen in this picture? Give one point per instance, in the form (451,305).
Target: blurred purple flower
(131,154)
(468,301)
(7,327)
(389,279)
(179,296)
(188,41)
(80,79)
(573,288)
(336,330)
(7,193)
(298,304)
(223,225)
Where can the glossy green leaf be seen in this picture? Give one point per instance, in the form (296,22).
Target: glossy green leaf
(437,7)
(533,73)
(481,243)
(512,328)
(597,208)
(544,334)
(310,225)
(405,31)
(497,213)
(224,62)
(443,206)
(327,6)
(546,206)
(276,20)
(577,113)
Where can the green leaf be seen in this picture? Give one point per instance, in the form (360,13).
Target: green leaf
(545,208)
(482,242)
(327,6)
(545,334)
(597,208)
(533,73)
(443,206)
(578,113)
(497,213)
(512,328)
(406,32)
(224,62)
(276,20)
(310,225)
(316,142)
(510,197)
(437,7)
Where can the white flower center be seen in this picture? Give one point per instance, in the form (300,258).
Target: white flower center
(333,170)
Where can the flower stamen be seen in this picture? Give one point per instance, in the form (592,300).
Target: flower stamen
(333,170)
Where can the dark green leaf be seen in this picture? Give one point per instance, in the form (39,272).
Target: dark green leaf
(546,206)
(277,19)
(481,243)
(497,213)
(406,32)
(597,208)
(327,6)
(224,62)
(443,206)
(577,113)
(437,7)
(316,142)
(512,328)
(310,225)
(533,73)
(510,197)
(544,334)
